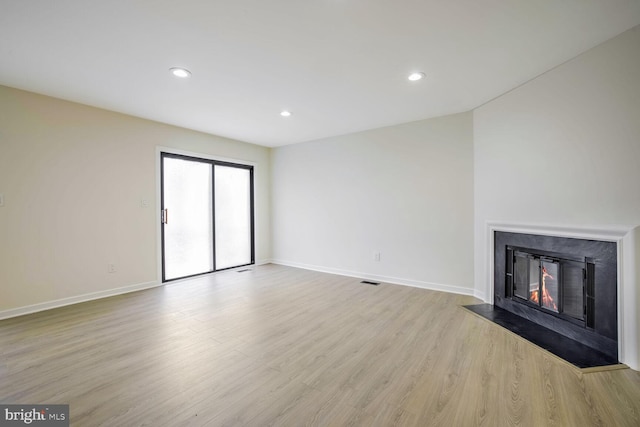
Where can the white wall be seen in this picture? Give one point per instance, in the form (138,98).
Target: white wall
(73,177)
(405,191)
(563,149)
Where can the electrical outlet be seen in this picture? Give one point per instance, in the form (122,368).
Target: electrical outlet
(1,199)
(144,203)
(111,268)
(376,256)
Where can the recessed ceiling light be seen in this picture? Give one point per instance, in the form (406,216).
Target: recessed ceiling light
(414,77)
(285,113)
(183,73)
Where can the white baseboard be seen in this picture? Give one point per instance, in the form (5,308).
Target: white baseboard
(480,295)
(393,280)
(20,311)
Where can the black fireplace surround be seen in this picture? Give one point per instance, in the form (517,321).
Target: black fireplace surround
(564,284)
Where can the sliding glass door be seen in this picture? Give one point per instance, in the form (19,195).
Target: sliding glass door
(207,216)
(233,219)
(187,212)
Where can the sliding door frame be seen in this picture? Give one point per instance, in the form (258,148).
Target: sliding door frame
(163,152)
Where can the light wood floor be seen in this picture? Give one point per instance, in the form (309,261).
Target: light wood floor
(283,346)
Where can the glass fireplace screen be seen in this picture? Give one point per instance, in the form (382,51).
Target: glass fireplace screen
(552,284)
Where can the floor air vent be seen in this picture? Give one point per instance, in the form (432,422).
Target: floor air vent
(242,271)
(368,282)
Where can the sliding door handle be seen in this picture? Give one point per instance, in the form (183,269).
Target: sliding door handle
(164,217)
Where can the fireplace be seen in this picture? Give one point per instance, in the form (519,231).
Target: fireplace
(568,285)
(565,282)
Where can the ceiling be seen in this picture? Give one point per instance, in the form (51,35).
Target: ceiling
(340,66)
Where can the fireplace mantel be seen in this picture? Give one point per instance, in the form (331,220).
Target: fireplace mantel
(628,248)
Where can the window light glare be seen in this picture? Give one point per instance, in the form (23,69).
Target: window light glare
(183,73)
(414,77)
(285,113)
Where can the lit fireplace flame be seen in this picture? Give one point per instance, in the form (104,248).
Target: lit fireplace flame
(547,301)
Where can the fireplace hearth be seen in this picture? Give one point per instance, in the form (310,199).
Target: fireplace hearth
(562,284)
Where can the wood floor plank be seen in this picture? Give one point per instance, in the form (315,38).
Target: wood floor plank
(289,347)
